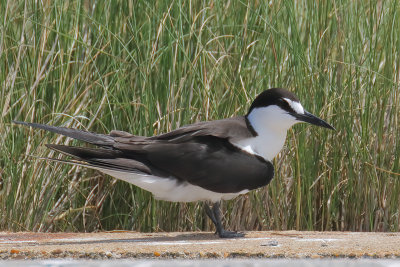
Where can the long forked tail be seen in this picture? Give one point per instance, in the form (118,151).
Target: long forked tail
(105,158)
(101,158)
(89,137)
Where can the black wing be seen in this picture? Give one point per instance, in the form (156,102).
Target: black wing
(200,154)
(207,161)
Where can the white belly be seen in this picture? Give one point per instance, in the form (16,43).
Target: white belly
(171,189)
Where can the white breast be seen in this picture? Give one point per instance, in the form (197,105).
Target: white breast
(271,124)
(266,145)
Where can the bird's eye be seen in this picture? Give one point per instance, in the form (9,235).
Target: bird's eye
(283,101)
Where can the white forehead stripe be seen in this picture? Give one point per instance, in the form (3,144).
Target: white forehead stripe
(296,106)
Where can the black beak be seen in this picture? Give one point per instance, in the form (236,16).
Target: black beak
(310,118)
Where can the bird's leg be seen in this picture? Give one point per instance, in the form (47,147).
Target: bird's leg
(216,219)
(210,213)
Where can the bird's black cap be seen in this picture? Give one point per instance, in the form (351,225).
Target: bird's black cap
(274,96)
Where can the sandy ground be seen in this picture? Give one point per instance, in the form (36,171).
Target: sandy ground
(270,244)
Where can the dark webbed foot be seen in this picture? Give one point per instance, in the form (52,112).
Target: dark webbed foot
(230,234)
(215,215)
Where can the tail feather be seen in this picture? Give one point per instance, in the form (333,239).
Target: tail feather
(102,158)
(85,153)
(89,137)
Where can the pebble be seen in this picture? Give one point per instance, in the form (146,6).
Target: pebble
(272,243)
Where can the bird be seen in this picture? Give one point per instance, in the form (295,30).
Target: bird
(207,161)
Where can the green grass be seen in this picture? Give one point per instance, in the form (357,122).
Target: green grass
(149,68)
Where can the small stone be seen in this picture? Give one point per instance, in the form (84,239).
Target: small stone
(272,243)
(157,254)
(56,251)
(15,251)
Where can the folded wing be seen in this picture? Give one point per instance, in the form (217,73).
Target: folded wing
(199,154)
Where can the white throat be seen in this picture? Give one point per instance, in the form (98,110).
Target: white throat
(271,124)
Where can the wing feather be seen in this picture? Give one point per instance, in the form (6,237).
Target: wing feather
(201,154)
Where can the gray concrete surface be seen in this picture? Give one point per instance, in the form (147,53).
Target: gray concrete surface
(208,263)
(198,245)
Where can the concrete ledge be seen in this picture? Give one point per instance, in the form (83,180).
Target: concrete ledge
(198,245)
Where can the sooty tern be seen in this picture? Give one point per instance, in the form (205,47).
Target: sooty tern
(208,161)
